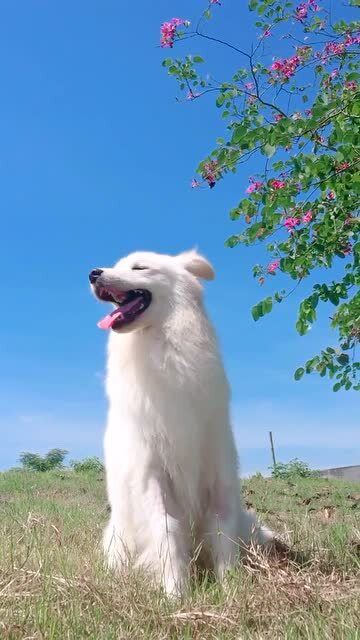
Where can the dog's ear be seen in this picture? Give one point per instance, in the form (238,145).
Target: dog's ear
(197,265)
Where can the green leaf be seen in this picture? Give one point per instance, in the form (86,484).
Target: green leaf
(301,326)
(343,359)
(256,312)
(333,297)
(337,386)
(267,305)
(299,373)
(232,241)
(269,150)
(235,213)
(198,59)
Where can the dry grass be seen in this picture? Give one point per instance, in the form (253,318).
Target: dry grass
(53,583)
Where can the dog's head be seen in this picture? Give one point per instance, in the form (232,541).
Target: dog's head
(143,287)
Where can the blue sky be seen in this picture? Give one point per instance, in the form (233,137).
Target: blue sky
(96,159)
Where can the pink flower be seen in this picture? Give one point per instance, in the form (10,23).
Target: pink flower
(347,249)
(249,86)
(333,49)
(192,95)
(350,39)
(307,217)
(266,33)
(334,74)
(211,172)
(278,116)
(254,185)
(284,69)
(342,167)
(215,2)
(331,195)
(278,184)
(271,268)
(168,31)
(291,222)
(351,85)
(195,183)
(301,11)
(308,112)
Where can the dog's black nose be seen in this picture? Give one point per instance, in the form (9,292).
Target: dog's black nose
(94,274)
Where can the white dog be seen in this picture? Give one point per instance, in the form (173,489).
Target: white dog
(170,458)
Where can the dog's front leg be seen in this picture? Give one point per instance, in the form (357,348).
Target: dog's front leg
(222,527)
(167,552)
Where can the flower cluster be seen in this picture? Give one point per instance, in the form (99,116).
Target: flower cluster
(351,39)
(284,69)
(293,221)
(168,31)
(301,12)
(192,95)
(211,172)
(307,217)
(334,74)
(347,249)
(342,166)
(254,185)
(334,49)
(351,85)
(278,184)
(271,268)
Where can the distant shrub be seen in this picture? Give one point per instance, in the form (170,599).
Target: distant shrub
(293,469)
(90,464)
(35,462)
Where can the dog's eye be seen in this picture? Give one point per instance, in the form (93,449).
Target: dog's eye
(138,267)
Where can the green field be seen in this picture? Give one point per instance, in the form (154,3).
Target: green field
(53,583)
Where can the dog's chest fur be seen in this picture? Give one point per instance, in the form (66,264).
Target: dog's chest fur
(165,390)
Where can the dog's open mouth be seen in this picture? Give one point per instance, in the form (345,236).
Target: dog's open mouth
(130,305)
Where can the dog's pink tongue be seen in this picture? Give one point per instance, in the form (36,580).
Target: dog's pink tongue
(108,321)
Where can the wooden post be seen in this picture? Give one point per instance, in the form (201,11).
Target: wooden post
(272,448)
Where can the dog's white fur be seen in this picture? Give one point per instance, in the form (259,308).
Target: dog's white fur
(171,464)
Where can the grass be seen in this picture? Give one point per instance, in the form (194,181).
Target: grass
(53,584)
